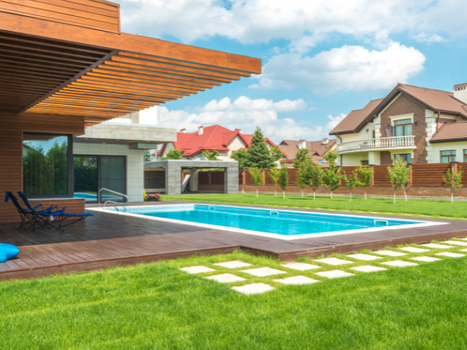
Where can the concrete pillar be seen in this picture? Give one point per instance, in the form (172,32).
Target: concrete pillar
(173,178)
(194,181)
(231,179)
(374,158)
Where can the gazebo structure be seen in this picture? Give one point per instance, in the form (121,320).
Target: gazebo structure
(65,65)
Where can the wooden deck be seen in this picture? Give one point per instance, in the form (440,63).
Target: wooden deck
(107,240)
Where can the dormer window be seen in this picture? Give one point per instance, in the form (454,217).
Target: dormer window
(403,127)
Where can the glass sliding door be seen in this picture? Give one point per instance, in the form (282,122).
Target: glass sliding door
(93,173)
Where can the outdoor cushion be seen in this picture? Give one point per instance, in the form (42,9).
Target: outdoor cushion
(10,251)
(2,256)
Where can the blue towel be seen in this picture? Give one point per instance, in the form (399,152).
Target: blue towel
(9,251)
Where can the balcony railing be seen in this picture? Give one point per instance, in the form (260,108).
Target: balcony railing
(382,142)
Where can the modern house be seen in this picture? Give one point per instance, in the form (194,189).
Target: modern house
(209,138)
(66,67)
(418,124)
(316,150)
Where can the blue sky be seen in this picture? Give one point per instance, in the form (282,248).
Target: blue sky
(321,58)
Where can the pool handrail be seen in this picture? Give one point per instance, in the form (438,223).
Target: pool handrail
(109,201)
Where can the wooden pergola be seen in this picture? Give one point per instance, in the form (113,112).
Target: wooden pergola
(69,58)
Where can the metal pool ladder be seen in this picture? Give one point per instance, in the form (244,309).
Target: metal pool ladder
(376,221)
(114,192)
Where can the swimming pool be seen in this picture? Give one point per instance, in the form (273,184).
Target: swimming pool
(283,224)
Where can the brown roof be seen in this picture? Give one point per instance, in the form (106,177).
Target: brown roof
(451,132)
(290,147)
(355,118)
(315,159)
(436,100)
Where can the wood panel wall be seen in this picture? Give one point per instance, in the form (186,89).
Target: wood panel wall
(429,174)
(11,160)
(93,14)
(381,175)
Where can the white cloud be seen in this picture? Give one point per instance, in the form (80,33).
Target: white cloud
(245,113)
(256,21)
(349,68)
(429,38)
(333,121)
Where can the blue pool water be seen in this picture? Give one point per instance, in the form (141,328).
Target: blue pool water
(264,220)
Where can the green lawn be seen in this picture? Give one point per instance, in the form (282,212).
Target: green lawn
(432,208)
(157,306)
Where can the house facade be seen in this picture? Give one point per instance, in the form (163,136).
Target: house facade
(316,150)
(209,138)
(419,125)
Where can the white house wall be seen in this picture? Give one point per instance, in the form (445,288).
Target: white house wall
(459,147)
(134,164)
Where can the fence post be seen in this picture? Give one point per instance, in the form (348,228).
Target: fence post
(410,174)
(244,177)
(454,167)
(264,177)
(372,181)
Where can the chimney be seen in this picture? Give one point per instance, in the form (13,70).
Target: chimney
(238,130)
(200,130)
(460,92)
(301,144)
(183,131)
(325,141)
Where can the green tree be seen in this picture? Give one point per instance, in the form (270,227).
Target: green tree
(173,154)
(259,155)
(257,177)
(365,173)
(284,179)
(315,176)
(351,182)
(398,175)
(275,175)
(211,155)
(303,178)
(301,157)
(276,154)
(332,175)
(241,156)
(147,156)
(454,180)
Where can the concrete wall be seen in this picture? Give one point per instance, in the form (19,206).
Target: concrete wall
(134,164)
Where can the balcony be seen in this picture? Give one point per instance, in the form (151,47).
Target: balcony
(381,144)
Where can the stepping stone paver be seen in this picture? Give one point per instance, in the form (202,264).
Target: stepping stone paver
(426,259)
(366,257)
(254,288)
(226,278)
(334,261)
(368,268)
(301,266)
(451,255)
(437,246)
(456,243)
(334,274)
(399,263)
(414,250)
(297,280)
(390,253)
(263,272)
(197,269)
(233,264)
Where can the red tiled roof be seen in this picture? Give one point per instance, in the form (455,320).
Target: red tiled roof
(451,132)
(214,137)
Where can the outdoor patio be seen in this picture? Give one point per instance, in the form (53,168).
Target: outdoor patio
(108,240)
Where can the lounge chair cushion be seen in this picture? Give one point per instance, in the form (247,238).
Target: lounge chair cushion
(2,257)
(9,251)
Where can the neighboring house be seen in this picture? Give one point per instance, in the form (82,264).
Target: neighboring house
(209,138)
(417,124)
(316,149)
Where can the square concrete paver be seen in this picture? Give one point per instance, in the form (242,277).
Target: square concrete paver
(414,250)
(226,278)
(399,263)
(301,266)
(334,261)
(390,253)
(297,280)
(437,246)
(366,257)
(263,272)
(254,288)
(334,274)
(426,259)
(451,255)
(233,264)
(455,243)
(197,269)
(368,268)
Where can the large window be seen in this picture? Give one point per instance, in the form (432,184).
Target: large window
(47,164)
(406,157)
(403,127)
(448,156)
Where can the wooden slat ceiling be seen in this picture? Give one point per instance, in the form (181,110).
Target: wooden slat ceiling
(46,76)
